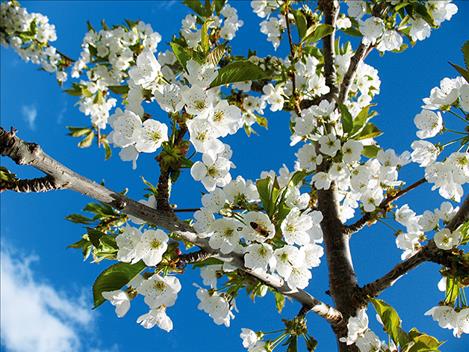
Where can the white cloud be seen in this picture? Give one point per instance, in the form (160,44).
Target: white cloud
(29,114)
(34,315)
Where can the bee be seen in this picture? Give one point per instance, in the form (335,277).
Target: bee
(259,229)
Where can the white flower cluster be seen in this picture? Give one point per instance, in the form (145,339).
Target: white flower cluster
(364,183)
(109,57)
(359,334)
(252,341)
(387,35)
(134,246)
(448,318)
(416,226)
(213,118)
(134,137)
(30,35)
(450,175)
(226,26)
(251,233)
(159,292)
(273,26)
(216,306)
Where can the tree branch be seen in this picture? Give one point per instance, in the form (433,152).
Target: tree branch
(24,153)
(382,209)
(41,184)
(428,253)
(330,8)
(361,53)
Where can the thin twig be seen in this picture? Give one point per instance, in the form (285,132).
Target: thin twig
(381,209)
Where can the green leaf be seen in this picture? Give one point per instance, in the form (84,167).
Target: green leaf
(421,342)
(352,31)
(298,177)
(206,262)
(262,121)
(107,149)
(94,236)
(465,51)
(219,5)
(78,219)
(361,119)
(197,7)
(318,33)
(370,151)
(78,131)
(462,71)
(346,117)
(181,53)
(422,10)
(114,278)
(301,23)
(279,301)
(119,89)
(239,71)
(369,131)
(263,188)
(215,55)
(452,290)
(391,322)
(86,142)
(205,39)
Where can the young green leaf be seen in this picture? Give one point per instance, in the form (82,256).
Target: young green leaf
(391,322)
(369,131)
(346,117)
(239,71)
(114,278)
(279,301)
(301,23)
(465,51)
(370,151)
(318,33)
(181,53)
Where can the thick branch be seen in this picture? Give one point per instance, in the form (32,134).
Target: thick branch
(381,210)
(24,153)
(41,184)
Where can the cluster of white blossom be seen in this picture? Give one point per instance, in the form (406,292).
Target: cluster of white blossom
(225,27)
(449,175)
(359,334)
(252,232)
(387,35)
(108,58)
(133,136)
(216,305)
(213,118)
(311,83)
(134,246)
(273,26)
(159,292)
(448,318)
(30,35)
(252,341)
(356,182)
(410,240)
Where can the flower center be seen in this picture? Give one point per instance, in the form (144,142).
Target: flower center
(155,244)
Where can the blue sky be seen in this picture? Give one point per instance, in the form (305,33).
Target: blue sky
(34,233)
